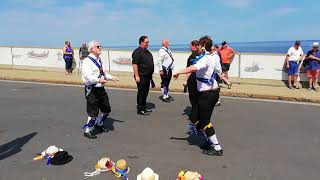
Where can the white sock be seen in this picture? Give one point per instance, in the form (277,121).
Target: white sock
(88,129)
(99,121)
(162,92)
(215,142)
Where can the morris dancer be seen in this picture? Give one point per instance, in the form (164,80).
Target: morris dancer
(97,98)
(206,68)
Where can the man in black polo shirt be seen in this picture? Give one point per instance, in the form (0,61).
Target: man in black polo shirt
(143,67)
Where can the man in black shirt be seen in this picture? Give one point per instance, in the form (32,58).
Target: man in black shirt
(191,81)
(143,67)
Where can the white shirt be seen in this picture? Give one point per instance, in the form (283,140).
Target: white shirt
(164,58)
(91,72)
(294,55)
(205,67)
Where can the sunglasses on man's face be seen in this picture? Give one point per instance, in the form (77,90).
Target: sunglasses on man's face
(147,42)
(99,46)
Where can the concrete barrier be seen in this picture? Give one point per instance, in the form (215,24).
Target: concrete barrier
(244,65)
(6,57)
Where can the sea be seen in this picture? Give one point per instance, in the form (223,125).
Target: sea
(278,47)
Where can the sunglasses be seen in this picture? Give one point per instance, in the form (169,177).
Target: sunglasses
(147,42)
(99,46)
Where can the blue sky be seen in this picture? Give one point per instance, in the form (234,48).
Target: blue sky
(121,22)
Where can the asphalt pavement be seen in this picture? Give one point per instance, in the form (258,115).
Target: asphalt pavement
(261,140)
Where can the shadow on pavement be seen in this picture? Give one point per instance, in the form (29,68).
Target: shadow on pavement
(13,147)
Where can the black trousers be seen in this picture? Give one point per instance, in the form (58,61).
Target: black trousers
(206,103)
(143,91)
(165,80)
(97,100)
(193,97)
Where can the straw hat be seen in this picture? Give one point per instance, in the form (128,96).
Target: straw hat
(104,164)
(189,175)
(120,168)
(148,174)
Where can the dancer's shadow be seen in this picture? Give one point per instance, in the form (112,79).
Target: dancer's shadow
(108,125)
(192,139)
(187,111)
(150,105)
(13,147)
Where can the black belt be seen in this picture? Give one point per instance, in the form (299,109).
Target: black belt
(210,90)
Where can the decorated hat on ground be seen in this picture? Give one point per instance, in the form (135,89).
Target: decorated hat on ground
(148,174)
(189,175)
(121,169)
(54,156)
(103,165)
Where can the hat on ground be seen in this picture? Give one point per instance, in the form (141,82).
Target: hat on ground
(103,165)
(315,44)
(54,156)
(189,175)
(121,169)
(148,174)
(61,158)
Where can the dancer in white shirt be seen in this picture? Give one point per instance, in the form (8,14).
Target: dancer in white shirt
(206,68)
(94,79)
(165,64)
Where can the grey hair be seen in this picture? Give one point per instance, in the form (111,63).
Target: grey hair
(91,44)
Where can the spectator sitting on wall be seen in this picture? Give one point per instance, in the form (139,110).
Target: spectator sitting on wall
(313,66)
(293,58)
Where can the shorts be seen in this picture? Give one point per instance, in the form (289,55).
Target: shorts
(293,68)
(97,100)
(312,74)
(225,67)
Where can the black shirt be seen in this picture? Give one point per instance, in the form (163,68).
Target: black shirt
(144,59)
(194,55)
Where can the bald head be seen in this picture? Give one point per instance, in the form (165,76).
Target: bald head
(165,43)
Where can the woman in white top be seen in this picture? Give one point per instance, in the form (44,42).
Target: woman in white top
(206,68)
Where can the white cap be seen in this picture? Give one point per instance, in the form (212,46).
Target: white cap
(315,44)
(148,174)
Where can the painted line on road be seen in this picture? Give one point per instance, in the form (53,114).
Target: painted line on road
(179,93)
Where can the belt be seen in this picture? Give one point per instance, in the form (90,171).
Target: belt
(210,90)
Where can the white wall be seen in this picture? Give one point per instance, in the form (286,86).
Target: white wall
(264,66)
(244,65)
(6,57)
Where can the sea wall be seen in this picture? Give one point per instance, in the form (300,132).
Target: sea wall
(244,65)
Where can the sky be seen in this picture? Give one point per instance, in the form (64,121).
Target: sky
(121,22)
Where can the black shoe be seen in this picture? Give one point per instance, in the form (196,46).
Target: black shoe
(149,110)
(212,152)
(100,129)
(142,112)
(171,98)
(167,100)
(206,146)
(296,87)
(89,135)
